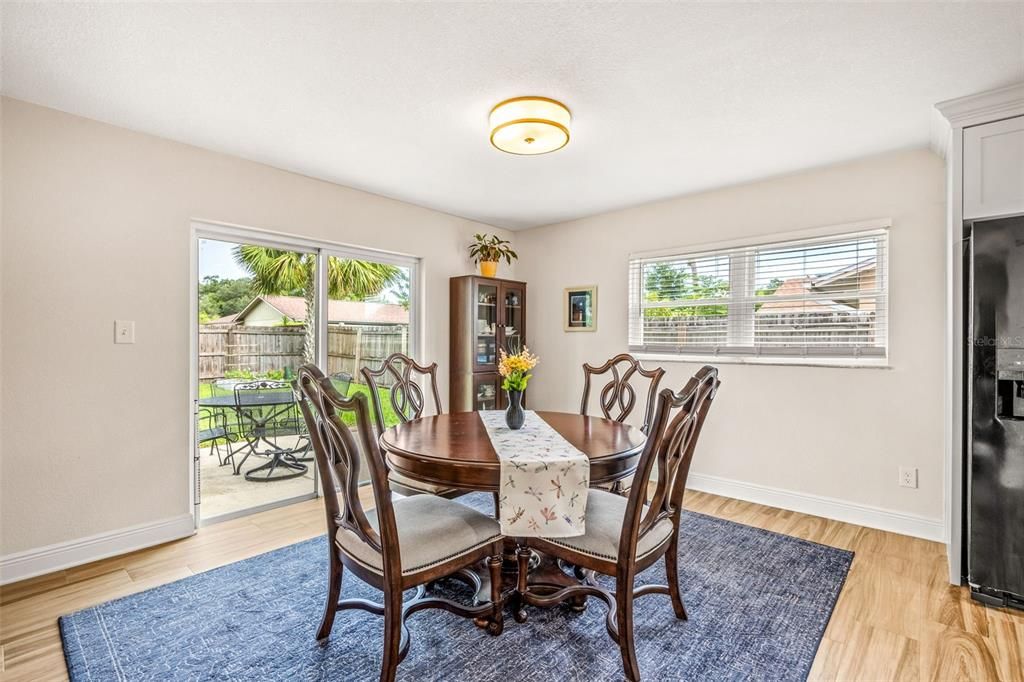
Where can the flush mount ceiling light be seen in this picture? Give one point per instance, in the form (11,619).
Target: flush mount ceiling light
(530,125)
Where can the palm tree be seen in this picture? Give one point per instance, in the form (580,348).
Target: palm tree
(288,272)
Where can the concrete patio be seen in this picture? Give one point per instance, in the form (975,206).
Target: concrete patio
(222,492)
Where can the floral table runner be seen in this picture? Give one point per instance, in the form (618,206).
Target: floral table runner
(544,478)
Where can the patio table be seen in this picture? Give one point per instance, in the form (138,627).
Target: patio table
(248,409)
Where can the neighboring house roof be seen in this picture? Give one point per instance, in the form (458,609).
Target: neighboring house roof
(223,321)
(366,312)
(799,286)
(807,286)
(291,307)
(863,266)
(792,287)
(359,312)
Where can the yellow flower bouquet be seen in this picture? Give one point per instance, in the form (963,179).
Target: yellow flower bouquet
(515,369)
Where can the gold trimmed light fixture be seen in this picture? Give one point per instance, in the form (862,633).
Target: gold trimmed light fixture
(530,125)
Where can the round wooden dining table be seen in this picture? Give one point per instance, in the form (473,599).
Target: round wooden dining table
(454,451)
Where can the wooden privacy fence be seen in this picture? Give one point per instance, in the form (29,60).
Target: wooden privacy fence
(352,347)
(782,329)
(267,349)
(817,329)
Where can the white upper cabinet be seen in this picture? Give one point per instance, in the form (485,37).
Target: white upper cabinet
(994,169)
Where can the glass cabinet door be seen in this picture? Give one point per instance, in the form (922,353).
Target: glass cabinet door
(487,392)
(485,352)
(513,304)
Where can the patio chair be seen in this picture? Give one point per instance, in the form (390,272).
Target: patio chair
(266,410)
(216,423)
(291,423)
(342,381)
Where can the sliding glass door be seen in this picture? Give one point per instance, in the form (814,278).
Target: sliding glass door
(257,324)
(265,305)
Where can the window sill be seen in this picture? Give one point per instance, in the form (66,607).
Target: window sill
(836,363)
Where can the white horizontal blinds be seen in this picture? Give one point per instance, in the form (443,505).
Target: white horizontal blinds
(814,297)
(685,301)
(822,297)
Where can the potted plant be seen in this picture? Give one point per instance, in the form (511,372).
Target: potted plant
(488,249)
(515,369)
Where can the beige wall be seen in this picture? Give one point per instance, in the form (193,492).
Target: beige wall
(96,220)
(96,228)
(833,432)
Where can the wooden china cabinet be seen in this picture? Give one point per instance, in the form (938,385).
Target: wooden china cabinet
(486,314)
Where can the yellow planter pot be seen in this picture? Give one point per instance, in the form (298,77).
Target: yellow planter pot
(488,268)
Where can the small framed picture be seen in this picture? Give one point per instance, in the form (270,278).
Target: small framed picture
(579,309)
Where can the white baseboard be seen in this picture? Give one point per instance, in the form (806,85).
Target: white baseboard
(56,557)
(828,507)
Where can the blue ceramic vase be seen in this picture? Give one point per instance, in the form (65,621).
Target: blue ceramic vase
(514,415)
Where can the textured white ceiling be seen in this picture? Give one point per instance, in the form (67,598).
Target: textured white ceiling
(393,98)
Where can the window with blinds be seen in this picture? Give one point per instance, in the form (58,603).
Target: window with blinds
(823,297)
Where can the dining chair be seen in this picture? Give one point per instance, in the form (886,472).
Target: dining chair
(618,397)
(399,545)
(407,400)
(627,535)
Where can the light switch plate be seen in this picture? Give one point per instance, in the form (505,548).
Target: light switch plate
(124,331)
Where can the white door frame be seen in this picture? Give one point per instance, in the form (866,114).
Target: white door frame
(209,229)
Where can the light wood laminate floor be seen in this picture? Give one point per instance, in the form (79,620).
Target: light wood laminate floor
(896,619)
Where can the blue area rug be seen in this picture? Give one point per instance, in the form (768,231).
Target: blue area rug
(758,604)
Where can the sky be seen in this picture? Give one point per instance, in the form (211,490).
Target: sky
(215,259)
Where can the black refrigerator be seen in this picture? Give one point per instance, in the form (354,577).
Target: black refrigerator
(994,438)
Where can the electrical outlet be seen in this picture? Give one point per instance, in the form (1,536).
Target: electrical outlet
(908,477)
(124,331)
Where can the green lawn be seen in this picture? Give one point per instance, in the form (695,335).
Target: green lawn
(349,418)
(390,417)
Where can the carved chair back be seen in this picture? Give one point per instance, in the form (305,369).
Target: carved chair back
(618,397)
(407,396)
(337,452)
(675,430)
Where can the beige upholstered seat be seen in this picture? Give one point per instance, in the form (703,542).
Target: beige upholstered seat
(605,514)
(431,530)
